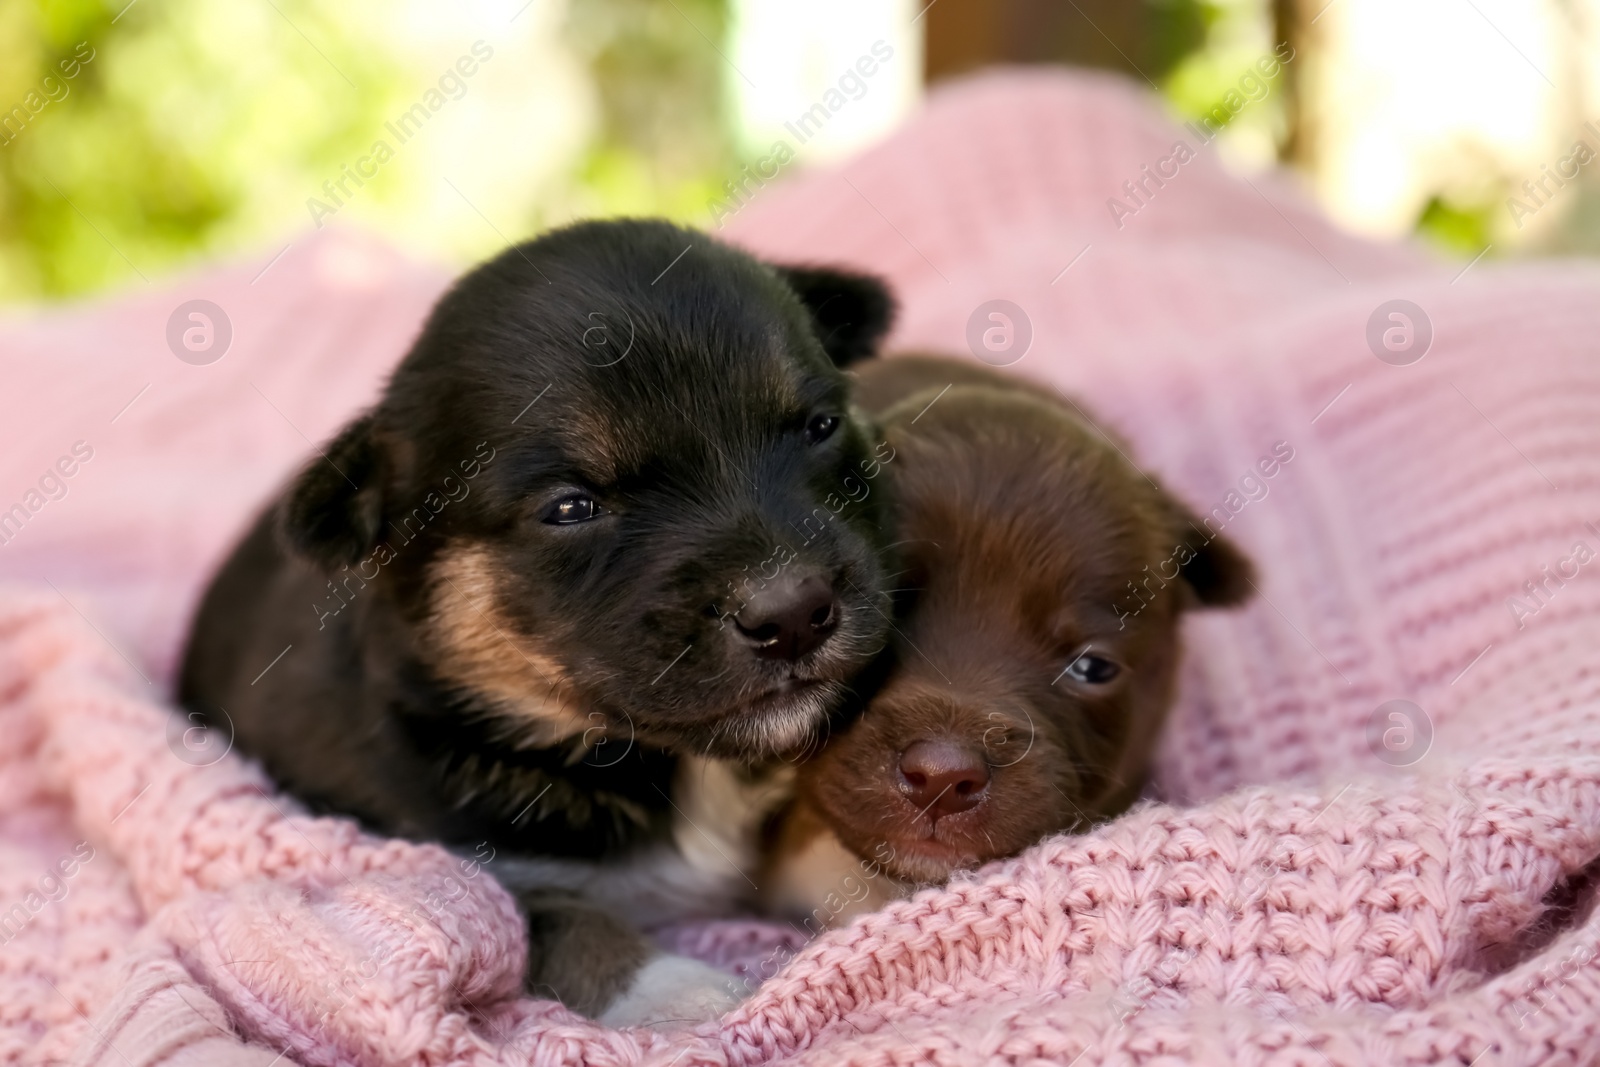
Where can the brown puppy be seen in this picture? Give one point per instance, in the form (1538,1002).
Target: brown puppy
(1035,643)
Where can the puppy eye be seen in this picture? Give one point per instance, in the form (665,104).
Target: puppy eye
(821,427)
(573,509)
(1092,670)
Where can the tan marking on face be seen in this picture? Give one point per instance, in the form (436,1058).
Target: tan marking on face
(476,647)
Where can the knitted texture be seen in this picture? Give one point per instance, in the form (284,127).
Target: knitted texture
(1291,897)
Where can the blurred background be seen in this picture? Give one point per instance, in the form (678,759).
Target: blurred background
(137,138)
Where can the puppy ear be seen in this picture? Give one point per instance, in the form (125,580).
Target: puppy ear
(1210,564)
(852,312)
(334,509)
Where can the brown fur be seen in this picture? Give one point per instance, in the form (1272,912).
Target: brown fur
(1022,527)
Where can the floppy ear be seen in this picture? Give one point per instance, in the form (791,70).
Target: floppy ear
(1219,574)
(334,509)
(852,312)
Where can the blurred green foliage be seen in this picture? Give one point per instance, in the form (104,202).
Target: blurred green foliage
(202,125)
(199,126)
(1460,229)
(171,140)
(1232,40)
(665,139)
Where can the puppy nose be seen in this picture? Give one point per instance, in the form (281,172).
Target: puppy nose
(787,619)
(943,777)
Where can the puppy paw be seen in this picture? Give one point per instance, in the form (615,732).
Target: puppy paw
(674,989)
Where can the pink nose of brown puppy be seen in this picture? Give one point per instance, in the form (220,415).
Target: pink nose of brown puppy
(943,777)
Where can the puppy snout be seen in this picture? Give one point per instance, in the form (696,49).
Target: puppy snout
(788,618)
(943,777)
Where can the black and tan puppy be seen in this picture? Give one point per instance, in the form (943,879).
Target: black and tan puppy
(1035,645)
(548,597)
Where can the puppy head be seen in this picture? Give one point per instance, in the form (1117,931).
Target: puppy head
(614,490)
(1029,677)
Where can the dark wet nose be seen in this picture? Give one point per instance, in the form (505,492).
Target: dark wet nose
(787,619)
(943,777)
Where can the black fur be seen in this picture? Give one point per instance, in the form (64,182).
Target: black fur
(672,379)
(853,311)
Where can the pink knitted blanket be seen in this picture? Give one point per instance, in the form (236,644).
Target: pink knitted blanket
(1322,882)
